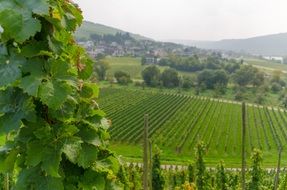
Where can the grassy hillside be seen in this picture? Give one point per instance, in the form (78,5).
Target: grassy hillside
(89,28)
(178,122)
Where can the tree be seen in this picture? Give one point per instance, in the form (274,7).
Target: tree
(187,82)
(258,79)
(210,79)
(157,176)
(244,75)
(101,68)
(151,75)
(122,77)
(276,87)
(170,78)
(54,120)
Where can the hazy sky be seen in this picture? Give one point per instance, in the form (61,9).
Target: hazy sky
(190,19)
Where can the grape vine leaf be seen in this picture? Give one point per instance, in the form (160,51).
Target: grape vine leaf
(10,122)
(40,7)
(88,155)
(72,148)
(30,27)
(20,107)
(11,22)
(34,153)
(30,84)
(9,73)
(33,49)
(90,136)
(51,162)
(50,183)
(54,93)
(7,161)
(93,180)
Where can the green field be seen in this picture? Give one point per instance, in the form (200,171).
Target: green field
(178,122)
(128,64)
(267,65)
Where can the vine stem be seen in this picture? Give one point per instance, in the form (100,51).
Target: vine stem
(6,184)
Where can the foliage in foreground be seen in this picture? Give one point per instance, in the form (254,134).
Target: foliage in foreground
(218,178)
(56,133)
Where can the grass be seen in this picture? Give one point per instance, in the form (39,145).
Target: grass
(128,64)
(134,153)
(265,64)
(177,122)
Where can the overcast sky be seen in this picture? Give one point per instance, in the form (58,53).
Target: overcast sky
(190,19)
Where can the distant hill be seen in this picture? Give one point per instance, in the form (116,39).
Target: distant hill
(88,28)
(269,45)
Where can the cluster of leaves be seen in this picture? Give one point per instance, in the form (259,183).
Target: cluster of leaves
(169,78)
(57,134)
(196,63)
(157,175)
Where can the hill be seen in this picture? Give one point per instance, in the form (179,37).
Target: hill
(88,28)
(177,122)
(269,45)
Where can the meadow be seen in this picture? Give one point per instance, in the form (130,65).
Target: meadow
(265,64)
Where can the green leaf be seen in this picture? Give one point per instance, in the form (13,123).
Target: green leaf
(9,73)
(88,155)
(33,178)
(34,153)
(11,22)
(93,180)
(30,27)
(10,122)
(43,132)
(25,177)
(90,136)
(87,70)
(16,106)
(90,90)
(60,70)
(50,183)
(54,93)
(72,149)
(34,67)
(30,84)
(51,161)
(5,99)
(40,7)
(7,162)
(33,49)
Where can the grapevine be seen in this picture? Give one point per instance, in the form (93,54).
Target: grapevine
(57,133)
